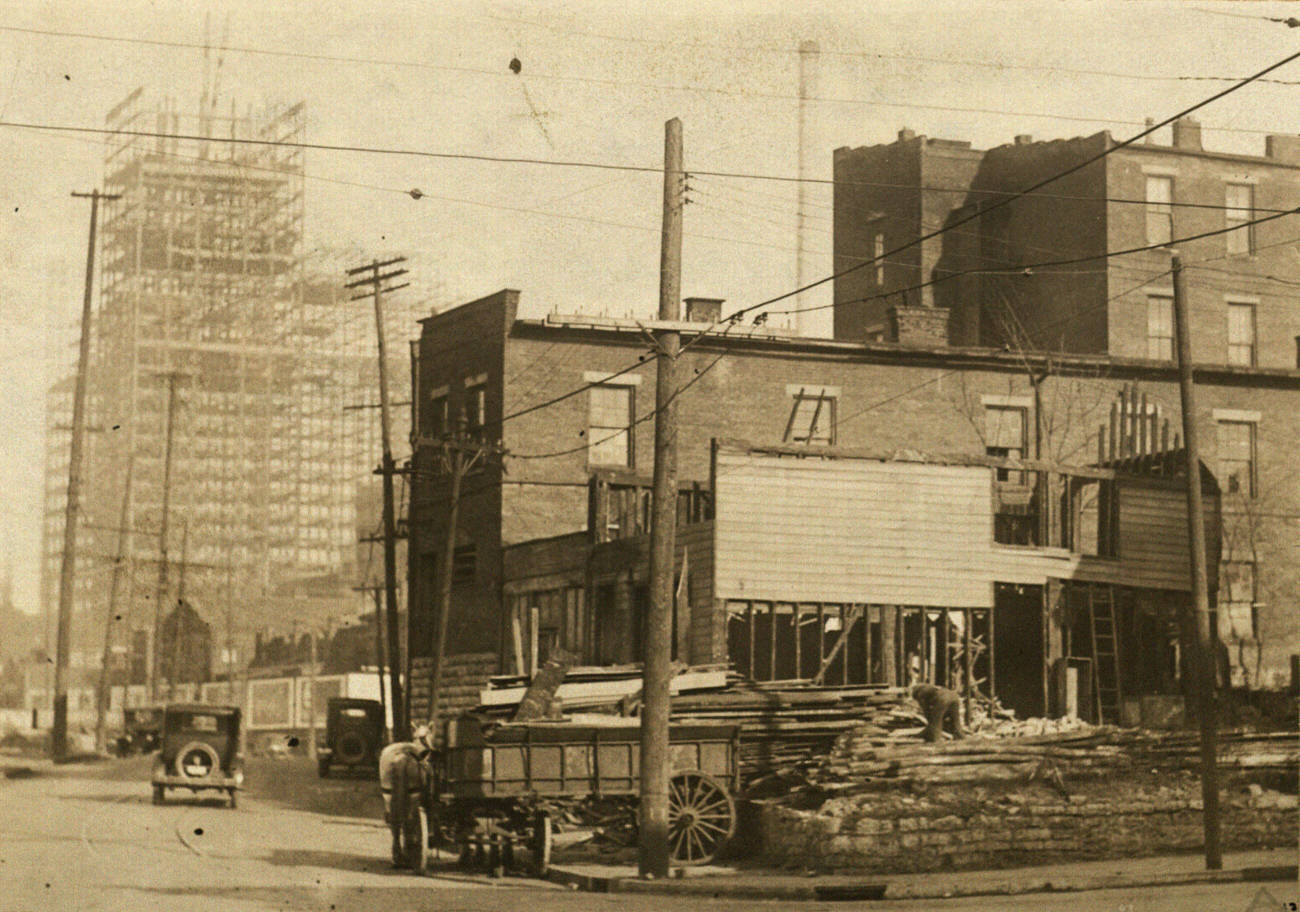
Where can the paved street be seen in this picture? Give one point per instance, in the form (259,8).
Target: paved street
(87,837)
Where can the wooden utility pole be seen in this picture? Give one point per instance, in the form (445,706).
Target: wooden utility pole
(653,857)
(376,280)
(104,691)
(68,571)
(179,616)
(161,596)
(311,693)
(1203,658)
(379,647)
(457,465)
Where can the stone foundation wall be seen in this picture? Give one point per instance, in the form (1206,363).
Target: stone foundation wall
(463,677)
(952,828)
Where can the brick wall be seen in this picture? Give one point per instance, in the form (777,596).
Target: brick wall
(890,400)
(953,828)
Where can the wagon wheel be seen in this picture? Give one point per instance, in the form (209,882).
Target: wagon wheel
(701,817)
(539,843)
(416,836)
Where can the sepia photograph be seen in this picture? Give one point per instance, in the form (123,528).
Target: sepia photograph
(485,455)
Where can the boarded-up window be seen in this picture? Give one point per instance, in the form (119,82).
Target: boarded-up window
(1241,334)
(609,425)
(438,423)
(1160,210)
(1160,327)
(1237,457)
(1239,211)
(812,417)
(464,565)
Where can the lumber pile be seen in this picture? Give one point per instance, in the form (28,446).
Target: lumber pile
(784,724)
(863,757)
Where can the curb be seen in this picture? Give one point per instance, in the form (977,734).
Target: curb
(847,890)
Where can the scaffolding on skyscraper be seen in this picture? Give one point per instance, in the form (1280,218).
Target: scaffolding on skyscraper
(203,284)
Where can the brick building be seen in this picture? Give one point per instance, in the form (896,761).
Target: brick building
(569,398)
(1241,299)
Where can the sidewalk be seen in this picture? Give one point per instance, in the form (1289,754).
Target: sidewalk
(751,883)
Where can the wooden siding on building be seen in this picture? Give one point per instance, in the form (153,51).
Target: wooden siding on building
(850,530)
(911,533)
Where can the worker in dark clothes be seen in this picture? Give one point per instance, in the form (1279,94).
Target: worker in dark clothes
(939,705)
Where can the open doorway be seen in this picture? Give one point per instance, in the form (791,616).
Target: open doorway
(1018,657)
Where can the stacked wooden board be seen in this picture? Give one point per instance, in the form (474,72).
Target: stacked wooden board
(864,756)
(784,724)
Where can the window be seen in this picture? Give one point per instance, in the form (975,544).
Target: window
(1237,600)
(1160,210)
(464,565)
(609,425)
(812,415)
(1004,435)
(1241,334)
(475,405)
(1239,210)
(879,252)
(1237,457)
(1160,327)
(438,414)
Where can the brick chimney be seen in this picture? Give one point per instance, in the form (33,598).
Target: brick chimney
(922,327)
(1024,139)
(1283,147)
(905,134)
(704,310)
(1187,134)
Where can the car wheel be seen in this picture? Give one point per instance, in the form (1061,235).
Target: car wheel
(323,767)
(159,796)
(234,802)
(197,760)
(351,748)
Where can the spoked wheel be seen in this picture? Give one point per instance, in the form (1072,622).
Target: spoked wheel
(416,840)
(701,817)
(539,843)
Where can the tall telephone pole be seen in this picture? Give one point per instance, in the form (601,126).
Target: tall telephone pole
(1203,659)
(105,690)
(68,571)
(161,597)
(653,857)
(376,280)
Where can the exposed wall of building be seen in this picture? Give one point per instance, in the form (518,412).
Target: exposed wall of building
(884,400)
(1213,276)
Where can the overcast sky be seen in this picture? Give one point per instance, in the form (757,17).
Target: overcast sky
(596,85)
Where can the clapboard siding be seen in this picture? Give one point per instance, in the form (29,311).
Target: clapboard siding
(1153,535)
(853,530)
(907,533)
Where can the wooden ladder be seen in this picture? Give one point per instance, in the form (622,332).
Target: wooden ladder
(1105,654)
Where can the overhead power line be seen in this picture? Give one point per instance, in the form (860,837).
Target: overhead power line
(1028,268)
(599,81)
(1007,200)
(882,55)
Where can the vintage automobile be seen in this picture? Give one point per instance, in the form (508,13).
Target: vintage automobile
(202,749)
(141,729)
(354,735)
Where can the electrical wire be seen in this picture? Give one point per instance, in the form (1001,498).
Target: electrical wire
(876,55)
(1109,150)
(589,80)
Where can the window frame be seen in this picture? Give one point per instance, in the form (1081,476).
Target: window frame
(1005,451)
(598,434)
(1251,462)
(825,409)
(1166,301)
(1243,232)
(1252,347)
(1160,209)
